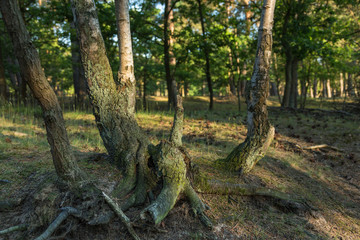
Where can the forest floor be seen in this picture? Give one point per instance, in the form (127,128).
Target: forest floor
(328,178)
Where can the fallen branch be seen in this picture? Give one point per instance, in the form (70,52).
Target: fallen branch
(323,146)
(14,228)
(121,215)
(56,223)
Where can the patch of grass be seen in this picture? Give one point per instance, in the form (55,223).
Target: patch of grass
(318,175)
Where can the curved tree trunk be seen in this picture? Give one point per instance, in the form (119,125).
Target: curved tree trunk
(260,132)
(31,70)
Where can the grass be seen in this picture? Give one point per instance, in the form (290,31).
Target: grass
(328,179)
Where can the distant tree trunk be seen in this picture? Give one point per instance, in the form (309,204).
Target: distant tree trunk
(273,89)
(205,49)
(260,132)
(78,70)
(294,85)
(288,81)
(328,89)
(169,58)
(315,88)
(63,158)
(231,79)
(3,86)
(350,86)
(341,85)
(144,90)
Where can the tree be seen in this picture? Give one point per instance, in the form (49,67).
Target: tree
(3,87)
(145,167)
(31,70)
(260,132)
(205,49)
(169,58)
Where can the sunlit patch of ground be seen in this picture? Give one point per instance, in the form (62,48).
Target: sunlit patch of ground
(328,179)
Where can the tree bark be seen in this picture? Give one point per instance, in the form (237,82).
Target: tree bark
(63,158)
(260,132)
(78,70)
(205,49)
(3,86)
(169,58)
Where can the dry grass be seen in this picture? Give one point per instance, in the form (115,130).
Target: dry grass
(328,179)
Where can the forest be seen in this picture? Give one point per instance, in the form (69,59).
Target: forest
(180,119)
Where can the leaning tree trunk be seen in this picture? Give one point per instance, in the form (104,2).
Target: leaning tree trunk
(260,132)
(31,70)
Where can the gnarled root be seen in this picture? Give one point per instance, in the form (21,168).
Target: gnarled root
(283,200)
(171,167)
(14,228)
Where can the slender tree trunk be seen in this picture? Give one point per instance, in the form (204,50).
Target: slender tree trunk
(350,86)
(315,89)
(341,85)
(78,70)
(328,89)
(63,158)
(3,86)
(260,132)
(288,81)
(231,65)
(169,58)
(294,85)
(205,49)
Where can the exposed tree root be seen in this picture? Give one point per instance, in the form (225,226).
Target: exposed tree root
(14,228)
(67,211)
(284,200)
(323,146)
(124,219)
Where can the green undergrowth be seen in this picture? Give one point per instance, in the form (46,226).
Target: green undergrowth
(318,176)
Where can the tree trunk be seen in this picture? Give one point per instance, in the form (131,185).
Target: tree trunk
(315,88)
(169,58)
(328,89)
(63,158)
(294,84)
(341,85)
(288,81)
(78,70)
(205,49)
(260,132)
(3,87)
(350,86)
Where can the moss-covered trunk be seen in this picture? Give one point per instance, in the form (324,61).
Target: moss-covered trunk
(31,70)
(260,132)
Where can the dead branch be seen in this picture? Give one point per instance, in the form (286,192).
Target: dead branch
(14,228)
(66,211)
(121,215)
(323,146)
